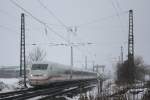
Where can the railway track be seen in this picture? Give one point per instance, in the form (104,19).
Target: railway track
(2,95)
(71,90)
(49,91)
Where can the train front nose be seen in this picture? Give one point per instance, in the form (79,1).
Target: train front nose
(39,74)
(38,79)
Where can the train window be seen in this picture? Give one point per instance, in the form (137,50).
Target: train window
(39,66)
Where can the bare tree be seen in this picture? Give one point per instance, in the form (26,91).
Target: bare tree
(140,68)
(37,54)
(124,71)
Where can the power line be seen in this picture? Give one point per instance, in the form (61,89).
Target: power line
(118,5)
(7,14)
(50,12)
(61,21)
(26,11)
(102,19)
(56,17)
(56,33)
(38,20)
(115,8)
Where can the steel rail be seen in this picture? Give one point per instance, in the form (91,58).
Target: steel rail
(26,94)
(42,92)
(5,94)
(64,92)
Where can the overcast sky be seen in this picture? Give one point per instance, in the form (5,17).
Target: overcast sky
(101,22)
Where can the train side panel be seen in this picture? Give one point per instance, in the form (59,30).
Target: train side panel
(57,73)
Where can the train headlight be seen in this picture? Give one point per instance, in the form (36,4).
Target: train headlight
(45,75)
(31,75)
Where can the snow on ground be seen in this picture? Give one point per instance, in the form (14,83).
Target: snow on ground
(9,84)
(9,81)
(74,98)
(138,96)
(92,93)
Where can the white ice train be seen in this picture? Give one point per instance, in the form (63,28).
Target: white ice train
(44,73)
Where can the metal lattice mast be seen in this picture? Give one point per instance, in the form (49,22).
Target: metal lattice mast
(22,49)
(131,40)
(121,54)
(71,61)
(131,66)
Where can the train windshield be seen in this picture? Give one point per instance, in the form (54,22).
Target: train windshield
(39,66)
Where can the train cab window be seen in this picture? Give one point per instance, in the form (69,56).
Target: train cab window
(39,66)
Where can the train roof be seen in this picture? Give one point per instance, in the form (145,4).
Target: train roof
(63,65)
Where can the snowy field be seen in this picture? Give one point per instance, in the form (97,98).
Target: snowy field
(9,84)
(9,81)
(88,94)
(12,84)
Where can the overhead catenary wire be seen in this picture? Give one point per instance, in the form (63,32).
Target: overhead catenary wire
(102,19)
(51,13)
(12,1)
(13,17)
(120,9)
(98,20)
(113,5)
(61,22)
(116,10)
(118,5)
(43,23)
(38,20)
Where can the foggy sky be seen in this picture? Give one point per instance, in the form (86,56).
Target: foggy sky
(91,17)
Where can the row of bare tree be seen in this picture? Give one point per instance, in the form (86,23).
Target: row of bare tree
(125,72)
(37,54)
